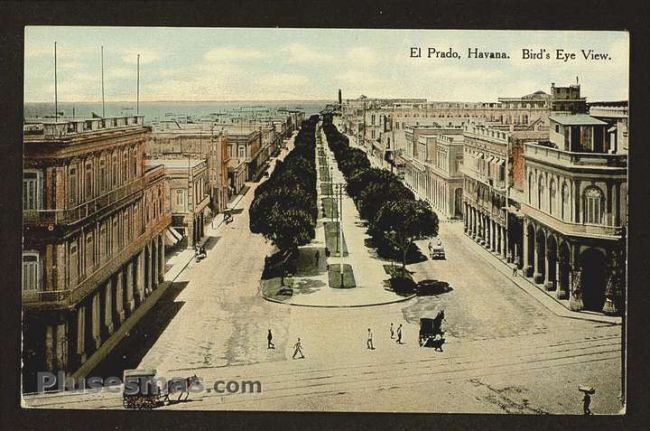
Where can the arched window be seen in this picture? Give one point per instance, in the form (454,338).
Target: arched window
(530,188)
(565,201)
(593,205)
(540,193)
(551,197)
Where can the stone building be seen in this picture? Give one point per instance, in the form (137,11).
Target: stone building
(174,140)
(491,214)
(188,195)
(245,145)
(93,223)
(575,213)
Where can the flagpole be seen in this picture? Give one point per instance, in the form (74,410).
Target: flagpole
(56,96)
(137,102)
(103,105)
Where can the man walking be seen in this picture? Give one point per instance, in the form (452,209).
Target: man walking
(586,402)
(369,343)
(317,257)
(399,334)
(392,331)
(514,271)
(298,349)
(269,339)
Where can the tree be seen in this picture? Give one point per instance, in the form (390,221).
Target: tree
(375,194)
(404,221)
(289,229)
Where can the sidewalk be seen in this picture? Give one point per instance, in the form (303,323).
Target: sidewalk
(552,304)
(183,258)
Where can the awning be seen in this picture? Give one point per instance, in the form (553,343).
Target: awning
(175,233)
(169,238)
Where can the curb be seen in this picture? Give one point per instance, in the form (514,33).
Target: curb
(406,298)
(566,313)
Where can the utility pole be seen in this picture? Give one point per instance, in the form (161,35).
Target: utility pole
(341,230)
(137,93)
(103,105)
(56,96)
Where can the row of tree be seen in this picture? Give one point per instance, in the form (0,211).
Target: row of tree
(395,216)
(284,209)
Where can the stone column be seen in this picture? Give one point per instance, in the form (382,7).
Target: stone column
(558,291)
(504,244)
(96,321)
(130,283)
(140,276)
(49,348)
(61,347)
(154,263)
(119,297)
(537,275)
(575,298)
(549,283)
(161,254)
(528,270)
(81,334)
(108,308)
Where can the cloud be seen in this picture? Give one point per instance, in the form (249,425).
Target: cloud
(233,54)
(130,55)
(362,55)
(299,53)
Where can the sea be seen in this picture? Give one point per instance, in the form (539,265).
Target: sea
(157,111)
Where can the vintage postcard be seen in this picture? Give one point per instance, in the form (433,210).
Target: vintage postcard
(289,219)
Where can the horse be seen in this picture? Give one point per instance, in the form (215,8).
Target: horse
(182,386)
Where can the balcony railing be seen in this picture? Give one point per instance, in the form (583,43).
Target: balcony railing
(55,299)
(568,228)
(556,156)
(84,210)
(58,130)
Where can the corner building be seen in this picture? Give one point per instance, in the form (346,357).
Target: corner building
(93,249)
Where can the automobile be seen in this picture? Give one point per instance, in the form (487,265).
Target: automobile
(437,251)
(432,287)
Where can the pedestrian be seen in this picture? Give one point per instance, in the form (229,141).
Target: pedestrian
(317,257)
(369,343)
(430,248)
(514,271)
(269,339)
(586,401)
(399,334)
(298,349)
(392,331)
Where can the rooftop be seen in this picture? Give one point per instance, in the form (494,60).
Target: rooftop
(576,120)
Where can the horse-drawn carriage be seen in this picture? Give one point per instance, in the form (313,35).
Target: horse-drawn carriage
(430,329)
(143,391)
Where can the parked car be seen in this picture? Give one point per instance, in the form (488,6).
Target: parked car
(437,250)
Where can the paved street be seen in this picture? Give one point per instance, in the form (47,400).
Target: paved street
(505,352)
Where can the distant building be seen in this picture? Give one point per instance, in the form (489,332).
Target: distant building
(94,219)
(189,196)
(490,170)
(174,140)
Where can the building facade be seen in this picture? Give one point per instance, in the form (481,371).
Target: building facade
(575,213)
(174,140)
(188,195)
(93,225)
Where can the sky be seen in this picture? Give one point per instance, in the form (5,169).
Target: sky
(297,64)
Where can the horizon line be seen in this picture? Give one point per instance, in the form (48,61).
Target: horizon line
(185,100)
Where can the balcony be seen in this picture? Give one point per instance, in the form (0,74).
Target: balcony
(80,212)
(572,229)
(555,156)
(62,299)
